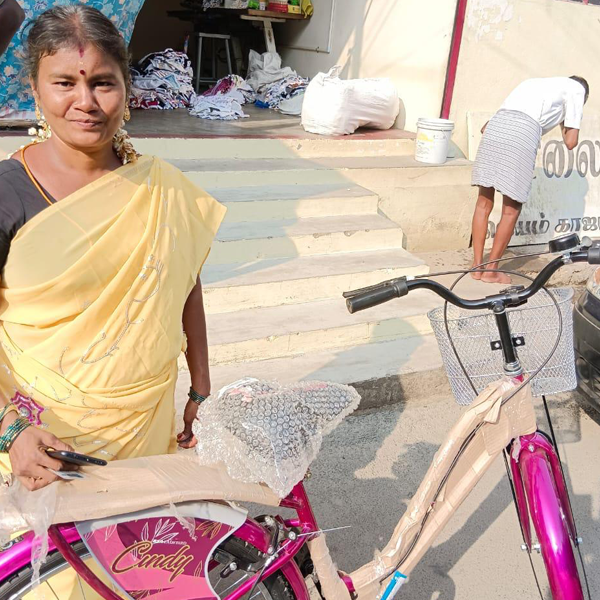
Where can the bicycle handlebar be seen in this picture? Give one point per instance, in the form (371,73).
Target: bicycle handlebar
(361,299)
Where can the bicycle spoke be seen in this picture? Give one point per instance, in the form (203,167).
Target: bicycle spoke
(242,578)
(52,590)
(81,588)
(587,585)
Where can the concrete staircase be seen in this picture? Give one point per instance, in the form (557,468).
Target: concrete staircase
(298,232)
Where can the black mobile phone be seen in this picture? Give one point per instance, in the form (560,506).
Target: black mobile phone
(75,458)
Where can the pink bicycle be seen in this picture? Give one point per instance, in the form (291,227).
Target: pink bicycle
(166,528)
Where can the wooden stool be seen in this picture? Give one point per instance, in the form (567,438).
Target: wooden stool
(213,37)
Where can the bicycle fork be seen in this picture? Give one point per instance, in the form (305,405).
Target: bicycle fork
(540,486)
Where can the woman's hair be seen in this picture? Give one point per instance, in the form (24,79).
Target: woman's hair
(74,26)
(584,83)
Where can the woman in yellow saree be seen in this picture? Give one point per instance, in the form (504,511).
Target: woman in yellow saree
(100,252)
(98,286)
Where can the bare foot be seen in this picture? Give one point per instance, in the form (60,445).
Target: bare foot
(495,277)
(476,274)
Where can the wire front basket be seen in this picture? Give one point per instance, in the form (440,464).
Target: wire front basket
(534,327)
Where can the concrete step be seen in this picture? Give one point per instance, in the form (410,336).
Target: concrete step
(383,372)
(287,238)
(256,147)
(267,202)
(272,282)
(369,171)
(300,329)
(248,147)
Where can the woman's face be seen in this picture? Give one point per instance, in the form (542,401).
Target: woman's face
(82,95)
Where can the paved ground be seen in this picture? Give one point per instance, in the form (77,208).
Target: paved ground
(522,261)
(373,462)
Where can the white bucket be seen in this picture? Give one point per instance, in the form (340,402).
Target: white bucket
(433,139)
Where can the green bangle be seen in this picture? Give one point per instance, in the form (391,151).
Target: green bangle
(12,433)
(194,396)
(8,408)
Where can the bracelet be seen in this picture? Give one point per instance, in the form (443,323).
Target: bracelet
(8,408)
(194,396)
(12,433)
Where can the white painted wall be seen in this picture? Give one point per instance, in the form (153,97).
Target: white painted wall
(507,41)
(406,40)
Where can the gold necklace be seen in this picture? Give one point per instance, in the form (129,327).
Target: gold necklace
(33,179)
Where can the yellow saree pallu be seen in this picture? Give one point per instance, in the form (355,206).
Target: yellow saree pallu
(91,306)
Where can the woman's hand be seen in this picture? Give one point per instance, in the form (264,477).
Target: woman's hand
(194,325)
(28,457)
(186,438)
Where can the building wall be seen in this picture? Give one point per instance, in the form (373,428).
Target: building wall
(406,40)
(507,41)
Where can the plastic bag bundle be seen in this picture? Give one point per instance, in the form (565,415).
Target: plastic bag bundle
(333,106)
(265,432)
(22,510)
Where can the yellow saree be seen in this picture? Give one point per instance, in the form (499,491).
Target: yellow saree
(91,305)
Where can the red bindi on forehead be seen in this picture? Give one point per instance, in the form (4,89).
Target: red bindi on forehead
(81,54)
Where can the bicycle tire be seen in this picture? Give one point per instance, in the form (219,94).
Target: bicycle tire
(276,586)
(551,528)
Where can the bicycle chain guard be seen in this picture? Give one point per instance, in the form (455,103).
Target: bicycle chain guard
(153,554)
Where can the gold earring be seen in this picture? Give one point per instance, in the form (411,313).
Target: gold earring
(44,132)
(122,142)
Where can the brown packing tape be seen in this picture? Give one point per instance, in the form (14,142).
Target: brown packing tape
(126,486)
(332,587)
(500,425)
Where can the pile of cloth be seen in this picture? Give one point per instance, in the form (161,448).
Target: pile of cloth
(276,87)
(223,101)
(163,80)
(232,85)
(286,95)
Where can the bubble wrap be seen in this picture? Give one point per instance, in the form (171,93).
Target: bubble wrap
(265,432)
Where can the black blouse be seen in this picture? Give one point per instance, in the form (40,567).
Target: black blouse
(20,200)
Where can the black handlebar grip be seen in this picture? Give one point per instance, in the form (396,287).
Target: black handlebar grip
(376,296)
(594,255)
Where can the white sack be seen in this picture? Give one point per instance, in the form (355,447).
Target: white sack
(333,106)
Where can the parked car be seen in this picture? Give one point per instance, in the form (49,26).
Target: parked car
(586,324)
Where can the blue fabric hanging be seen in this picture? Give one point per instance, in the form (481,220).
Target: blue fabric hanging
(16,99)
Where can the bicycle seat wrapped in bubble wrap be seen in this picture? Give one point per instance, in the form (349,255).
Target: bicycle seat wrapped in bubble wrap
(266,432)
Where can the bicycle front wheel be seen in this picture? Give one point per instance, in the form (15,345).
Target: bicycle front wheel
(551,527)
